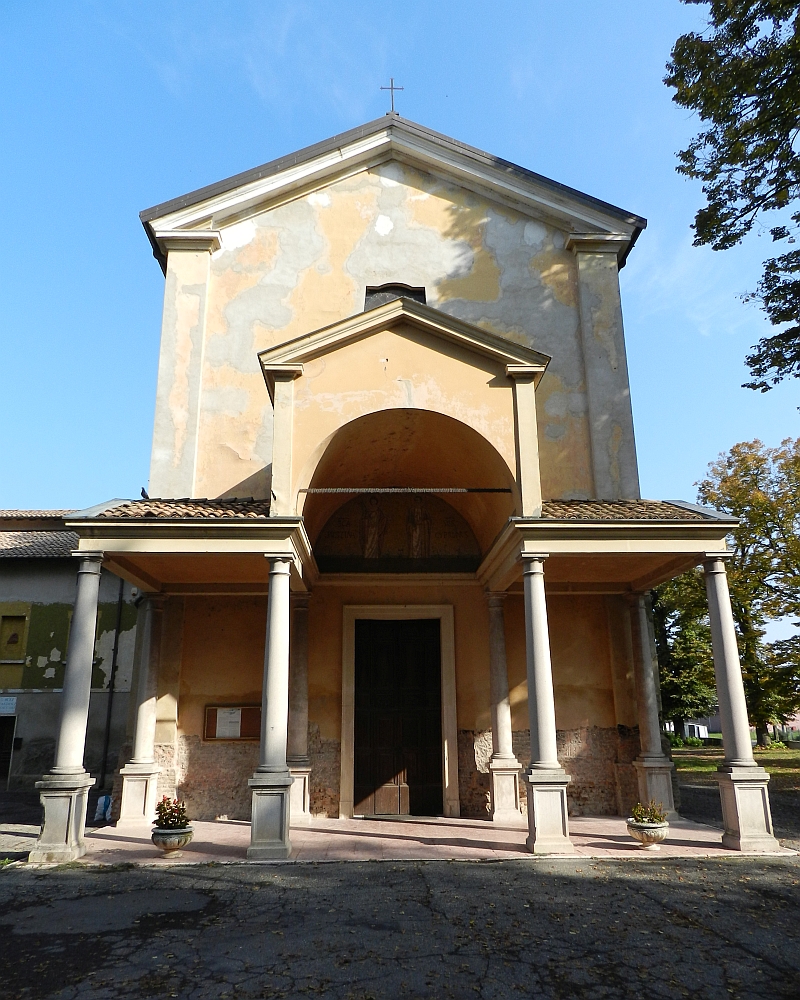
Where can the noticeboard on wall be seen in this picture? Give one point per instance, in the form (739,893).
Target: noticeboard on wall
(232,722)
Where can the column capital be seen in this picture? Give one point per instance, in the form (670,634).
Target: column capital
(90,562)
(495,598)
(279,565)
(598,243)
(714,562)
(530,561)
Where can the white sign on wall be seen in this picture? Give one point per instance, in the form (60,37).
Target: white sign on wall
(8,706)
(229,723)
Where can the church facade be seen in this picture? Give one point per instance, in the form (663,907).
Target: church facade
(395,558)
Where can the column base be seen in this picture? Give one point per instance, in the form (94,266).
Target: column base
(300,796)
(269,824)
(745,810)
(655,782)
(548,824)
(139,792)
(64,798)
(504,791)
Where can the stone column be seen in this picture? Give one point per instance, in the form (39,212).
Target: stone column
(140,774)
(271,783)
(504,766)
(64,790)
(299,763)
(742,783)
(548,825)
(653,769)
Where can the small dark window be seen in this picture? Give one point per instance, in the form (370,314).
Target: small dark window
(377,295)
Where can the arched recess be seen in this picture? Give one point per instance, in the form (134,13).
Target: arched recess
(413,448)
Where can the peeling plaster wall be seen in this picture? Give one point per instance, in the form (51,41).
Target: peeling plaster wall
(306,263)
(47,587)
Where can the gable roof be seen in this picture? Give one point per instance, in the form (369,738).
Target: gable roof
(296,352)
(385,138)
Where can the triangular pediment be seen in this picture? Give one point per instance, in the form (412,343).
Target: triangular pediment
(391,137)
(401,312)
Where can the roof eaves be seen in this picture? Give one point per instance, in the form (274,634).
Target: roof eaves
(99,508)
(709,512)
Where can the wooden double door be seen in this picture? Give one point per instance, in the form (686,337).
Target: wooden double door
(398,718)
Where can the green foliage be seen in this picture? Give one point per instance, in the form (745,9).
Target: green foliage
(675,740)
(171,814)
(683,645)
(653,812)
(761,487)
(694,741)
(742,77)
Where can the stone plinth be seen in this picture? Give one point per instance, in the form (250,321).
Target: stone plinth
(269,824)
(548,824)
(745,810)
(64,798)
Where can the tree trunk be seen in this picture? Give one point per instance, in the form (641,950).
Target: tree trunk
(762,734)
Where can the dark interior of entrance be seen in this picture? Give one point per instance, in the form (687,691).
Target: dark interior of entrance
(398,718)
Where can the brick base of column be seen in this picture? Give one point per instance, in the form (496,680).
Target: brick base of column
(548,823)
(64,798)
(745,810)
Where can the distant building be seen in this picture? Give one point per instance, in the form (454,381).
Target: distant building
(37,595)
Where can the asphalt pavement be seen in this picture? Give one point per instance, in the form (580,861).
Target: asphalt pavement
(352,931)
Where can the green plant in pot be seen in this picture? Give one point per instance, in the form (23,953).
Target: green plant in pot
(171,830)
(648,824)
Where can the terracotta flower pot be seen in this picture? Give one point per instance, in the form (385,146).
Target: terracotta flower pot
(171,840)
(649,835)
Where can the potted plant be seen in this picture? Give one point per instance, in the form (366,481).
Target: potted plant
(648,824)
(171,830)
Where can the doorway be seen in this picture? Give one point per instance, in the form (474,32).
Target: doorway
(397,752)
(8,725)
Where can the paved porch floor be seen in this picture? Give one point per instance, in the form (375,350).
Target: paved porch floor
(429,839)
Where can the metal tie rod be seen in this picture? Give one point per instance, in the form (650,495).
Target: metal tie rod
(406,489)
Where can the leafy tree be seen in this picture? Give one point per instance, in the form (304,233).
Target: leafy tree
(683,646)
(761,487)
(742,77)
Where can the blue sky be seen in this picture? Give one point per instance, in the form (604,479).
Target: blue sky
(108,108)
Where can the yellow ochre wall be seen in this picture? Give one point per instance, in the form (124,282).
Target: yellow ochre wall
(305,264)
(223,650)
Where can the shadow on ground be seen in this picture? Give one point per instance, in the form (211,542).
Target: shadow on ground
(353,931)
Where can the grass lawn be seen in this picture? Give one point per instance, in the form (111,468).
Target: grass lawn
(698,767)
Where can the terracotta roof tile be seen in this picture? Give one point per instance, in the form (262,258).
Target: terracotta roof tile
(618,510)
(553,510)
(37,544)
(34,513)
(187,508)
